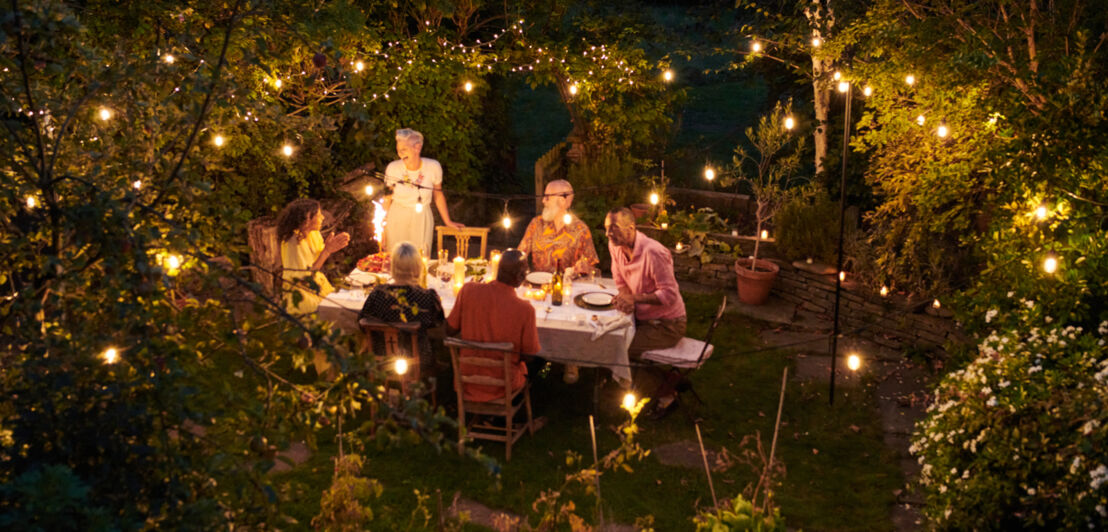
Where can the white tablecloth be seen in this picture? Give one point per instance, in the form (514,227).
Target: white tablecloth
(565,332)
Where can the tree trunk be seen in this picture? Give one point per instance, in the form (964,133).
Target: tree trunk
(265,253)
(820,18)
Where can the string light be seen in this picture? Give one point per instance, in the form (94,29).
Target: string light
(789,123)
(837,75)
(843,86)
(418,207)
(667,75)
(573,89)
(709,173)
(816,42)
(218,141)
(853,362)
(506,222)
(105,114)
(884,291)
(936,304)
(942,131)
(468,86)
(369,190)
(31,202)
(110,355)
(277,83)
(910,79)
(842,276)
(654,198)
(1041,212)
(137,184)
(567,218)
(287,150)
(756,46)
(1050,264)
(401,366)
(920,120)
(629,401)
(765,234)
(867,91)
(359,66)
(169,59)
(173,262)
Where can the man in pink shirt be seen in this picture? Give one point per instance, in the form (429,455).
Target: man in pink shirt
(643,270)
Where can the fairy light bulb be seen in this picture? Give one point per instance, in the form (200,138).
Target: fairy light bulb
(1050,264)
(573,89)
(418,207)
(910,80)
(837,75)
(369,190)
(709,173)
(287,150)
(507,222)
(169,59)
(654,198)
(765,234)
(667,75)
(790,123)
(359,66)
(816,42)
(921,120)
(936,304)
(31,202)
(867,91)
(884,291)
(853,362)
(277,83)
(628,401)
(567,218)
(137,184)
(843,86)
(401,366)
(756,47)
(942,131)
(218,140)
(842,276)
(105,114)
(1041,212)
(468,86)
(173,262)
(110,355)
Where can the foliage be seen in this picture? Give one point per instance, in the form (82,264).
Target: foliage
(759,512)
(807,225)
(50,498)
(740,515)
(692,228)
(1016,439)
(599,183)
(342,506)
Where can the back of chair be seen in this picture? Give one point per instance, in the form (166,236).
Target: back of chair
(503,379)
(711,331)
(462,237)
(394,348)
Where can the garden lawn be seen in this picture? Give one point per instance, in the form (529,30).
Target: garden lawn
(840,476)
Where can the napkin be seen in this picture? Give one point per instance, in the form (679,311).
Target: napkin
(613,324)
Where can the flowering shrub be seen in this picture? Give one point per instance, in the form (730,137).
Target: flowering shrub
(1017,439)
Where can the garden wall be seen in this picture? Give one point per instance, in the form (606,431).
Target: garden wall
(894,321)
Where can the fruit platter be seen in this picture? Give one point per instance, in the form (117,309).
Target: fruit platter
(375,263)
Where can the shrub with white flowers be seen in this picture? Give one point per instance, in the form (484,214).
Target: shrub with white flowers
(1019,438)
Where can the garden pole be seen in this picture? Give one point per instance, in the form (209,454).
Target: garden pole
(707,470)
(596,470)
(842,224)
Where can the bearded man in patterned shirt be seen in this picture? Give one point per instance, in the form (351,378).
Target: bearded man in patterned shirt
(557,236)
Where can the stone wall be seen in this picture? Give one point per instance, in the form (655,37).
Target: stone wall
(894,322)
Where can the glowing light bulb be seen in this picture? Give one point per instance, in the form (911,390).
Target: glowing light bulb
(105,114)
(1041,212)
(169,59)
(816,41)
(401,366)
(218,140)
(843,86)
(884,291)
(359,66)
(507,222)
(173,262)
(418,207)
(756,47)
(287,150)
(110,355)
(936,304)
(567,218)
(654,198)
(137,184)
(867,91)
(369,190)
(31,202)
(629,401)
(910,79)
(853,362)
(665,225)
(837,75)
(790,123)
(468,86)
(765,234)
(667,75)
(277,83)
(573,89)
(942,131)
(709,173)
(920,120)
(1050,264)
(679,247)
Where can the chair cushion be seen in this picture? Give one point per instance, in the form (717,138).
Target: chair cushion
(683,355)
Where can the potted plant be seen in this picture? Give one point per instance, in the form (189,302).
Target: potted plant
(770,171)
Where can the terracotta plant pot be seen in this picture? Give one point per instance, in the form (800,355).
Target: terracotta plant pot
(754,285)
(639,210)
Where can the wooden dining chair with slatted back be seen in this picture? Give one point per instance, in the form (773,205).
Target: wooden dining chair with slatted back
(504,407)
(685,357)
(400,350)
(461,238)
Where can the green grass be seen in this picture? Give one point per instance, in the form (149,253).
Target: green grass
(848,485)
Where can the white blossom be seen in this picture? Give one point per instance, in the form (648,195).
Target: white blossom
(1099,476)
(990,315)
(991,401)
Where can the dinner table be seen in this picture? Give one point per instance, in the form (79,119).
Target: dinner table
(576,332)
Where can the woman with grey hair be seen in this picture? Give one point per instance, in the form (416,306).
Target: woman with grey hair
(414,181)
(406,300)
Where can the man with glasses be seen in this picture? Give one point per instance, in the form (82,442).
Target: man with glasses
(559,237)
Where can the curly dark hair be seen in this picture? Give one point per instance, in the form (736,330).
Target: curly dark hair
(293,216)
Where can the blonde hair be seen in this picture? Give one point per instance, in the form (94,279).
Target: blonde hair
(409,136)
(407,263)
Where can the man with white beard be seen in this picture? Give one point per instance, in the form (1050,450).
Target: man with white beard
(557,237)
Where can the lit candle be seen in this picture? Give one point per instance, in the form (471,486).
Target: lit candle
(654,198)
(936,304)
(734,232)
(459,271)
(665,225)
(494,265)
(679,247)
(765,234)
(457,287)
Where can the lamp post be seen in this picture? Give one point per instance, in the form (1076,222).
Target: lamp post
(842,223)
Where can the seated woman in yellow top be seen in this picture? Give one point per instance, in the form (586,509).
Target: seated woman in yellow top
(303,252)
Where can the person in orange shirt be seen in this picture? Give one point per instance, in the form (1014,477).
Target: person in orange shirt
(492,312)
(557,236)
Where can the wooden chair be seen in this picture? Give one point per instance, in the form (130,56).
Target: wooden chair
(462,237)
(685,357)
(394,350)
(505,407)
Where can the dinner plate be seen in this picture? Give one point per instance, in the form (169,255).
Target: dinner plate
(598,299)
(540,278)
(579,300)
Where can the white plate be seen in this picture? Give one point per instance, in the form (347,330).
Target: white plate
(361,278)
(540,277)
(598,299)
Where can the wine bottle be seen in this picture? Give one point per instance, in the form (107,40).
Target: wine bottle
(556,286)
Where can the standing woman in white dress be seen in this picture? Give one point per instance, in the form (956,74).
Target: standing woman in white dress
(414,181)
